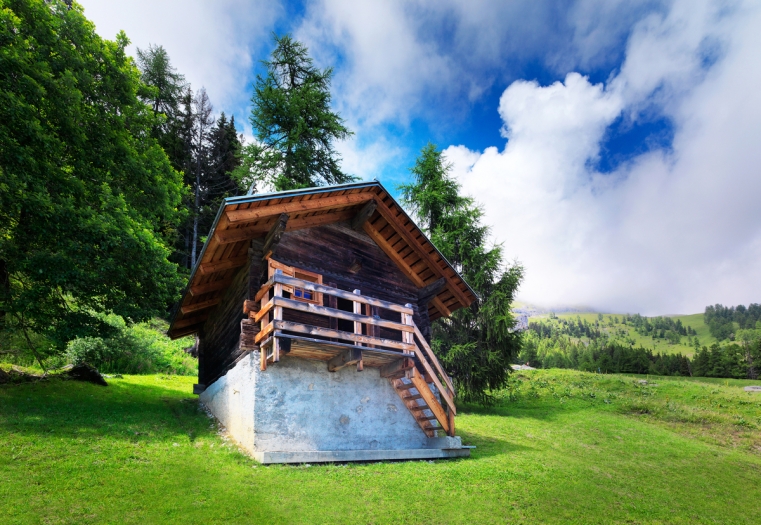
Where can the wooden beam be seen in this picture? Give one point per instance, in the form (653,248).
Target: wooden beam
(346,358)
(213,286)
(434,359)
(264,333)
(320,288)
(395,222)
(365,213)
(314,204)
(190,321)
(200,306)
(339,334)
(402,264)
(274,236)
(176,334)
(224,264)
(250,307)
(252,232)
(429,291)
(312,308)
(396,367)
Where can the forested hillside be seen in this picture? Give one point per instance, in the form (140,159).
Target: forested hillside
(722,342)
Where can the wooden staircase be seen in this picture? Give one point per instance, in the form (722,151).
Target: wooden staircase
(429,396)
(422,403)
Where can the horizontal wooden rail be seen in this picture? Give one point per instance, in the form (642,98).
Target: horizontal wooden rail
(336,334)
(444,393)
(433,359)
(329,312)
(329,290)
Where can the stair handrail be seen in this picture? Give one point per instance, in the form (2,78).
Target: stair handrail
(434,359)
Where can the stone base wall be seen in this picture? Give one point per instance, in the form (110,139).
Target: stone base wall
(297,405)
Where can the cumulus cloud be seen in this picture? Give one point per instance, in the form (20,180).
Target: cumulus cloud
(211,43)
(670,231)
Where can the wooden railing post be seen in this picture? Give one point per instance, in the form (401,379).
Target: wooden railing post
(408,337)
(358,328)
(277,315)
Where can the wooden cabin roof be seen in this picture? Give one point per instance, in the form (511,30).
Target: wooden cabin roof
(241,219)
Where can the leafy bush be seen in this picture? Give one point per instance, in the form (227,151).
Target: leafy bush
(138,349)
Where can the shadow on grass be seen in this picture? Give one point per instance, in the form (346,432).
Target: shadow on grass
(123,410)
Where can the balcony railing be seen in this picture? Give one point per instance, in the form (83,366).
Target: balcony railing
(308,330)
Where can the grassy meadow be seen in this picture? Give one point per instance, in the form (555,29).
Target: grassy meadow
(559,446)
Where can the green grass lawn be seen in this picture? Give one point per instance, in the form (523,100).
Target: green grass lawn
(559,447)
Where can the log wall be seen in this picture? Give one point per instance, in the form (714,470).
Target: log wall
(329,250)
(219,345)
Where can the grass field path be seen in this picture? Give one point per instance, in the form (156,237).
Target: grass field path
(559,447)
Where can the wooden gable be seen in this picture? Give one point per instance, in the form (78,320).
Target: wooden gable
(366,205)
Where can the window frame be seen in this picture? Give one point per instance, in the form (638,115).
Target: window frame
(297,273)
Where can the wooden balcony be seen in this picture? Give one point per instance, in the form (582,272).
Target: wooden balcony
(353,330)
(302,329)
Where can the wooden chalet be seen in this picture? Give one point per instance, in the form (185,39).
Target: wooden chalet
(311,308)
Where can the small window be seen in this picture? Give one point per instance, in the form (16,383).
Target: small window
(299,294)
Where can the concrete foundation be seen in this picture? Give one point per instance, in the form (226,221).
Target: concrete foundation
(298,412)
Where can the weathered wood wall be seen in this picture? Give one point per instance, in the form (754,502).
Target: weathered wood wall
(333,249)
(330,250)
(219,339)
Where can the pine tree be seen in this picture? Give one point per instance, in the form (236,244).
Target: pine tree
(476,344)
(164,90)
(202,109)
(294,123)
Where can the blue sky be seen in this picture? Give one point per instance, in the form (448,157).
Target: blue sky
(608,141)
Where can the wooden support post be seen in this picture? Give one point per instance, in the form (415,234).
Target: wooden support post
(332,303)
(277,315)
(358,329)
(408,337)
(373,330)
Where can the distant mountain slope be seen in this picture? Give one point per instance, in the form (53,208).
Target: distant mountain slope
(612,324)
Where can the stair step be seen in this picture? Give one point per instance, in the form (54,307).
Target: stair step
(413,397)
(419,408)
(405,386)
(427,418)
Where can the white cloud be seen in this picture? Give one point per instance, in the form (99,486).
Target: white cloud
(670,231)
(211,43)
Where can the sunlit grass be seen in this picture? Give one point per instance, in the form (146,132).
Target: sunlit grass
(559,447)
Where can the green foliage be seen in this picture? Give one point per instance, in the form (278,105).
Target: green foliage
(476,344)
(294,124)
(608,347)
(723,321)
(140,349)
(88,198)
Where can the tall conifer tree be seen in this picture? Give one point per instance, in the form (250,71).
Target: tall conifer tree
(476,344)
(294,124)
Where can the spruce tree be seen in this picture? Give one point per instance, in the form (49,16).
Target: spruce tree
(294,124)
(478,343)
